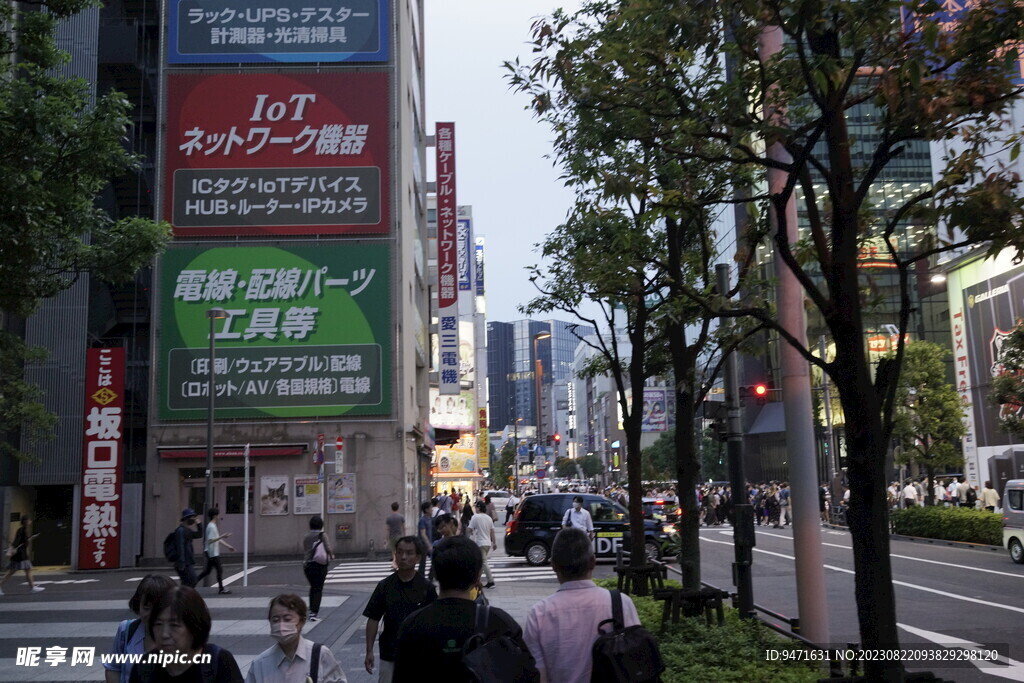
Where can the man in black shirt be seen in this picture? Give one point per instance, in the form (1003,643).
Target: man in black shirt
(395,598)
(433,636)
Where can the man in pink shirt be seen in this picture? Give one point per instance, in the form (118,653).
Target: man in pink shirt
(561,628)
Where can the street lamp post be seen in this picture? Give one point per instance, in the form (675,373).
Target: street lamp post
(538,372)
(515,459)
(213,314)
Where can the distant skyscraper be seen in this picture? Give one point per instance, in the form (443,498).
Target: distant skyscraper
(511,367)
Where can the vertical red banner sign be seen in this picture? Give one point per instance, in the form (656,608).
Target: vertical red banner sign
(447,262)
(99,538)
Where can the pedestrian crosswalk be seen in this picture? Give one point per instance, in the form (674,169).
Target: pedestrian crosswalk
(503,569)
(58,627)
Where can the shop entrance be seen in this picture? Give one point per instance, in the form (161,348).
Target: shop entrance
(229,498)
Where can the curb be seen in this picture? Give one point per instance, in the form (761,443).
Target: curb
(932,541)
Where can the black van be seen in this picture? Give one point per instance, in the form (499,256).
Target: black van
(539,518)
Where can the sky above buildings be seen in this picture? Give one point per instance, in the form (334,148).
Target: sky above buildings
(500,148)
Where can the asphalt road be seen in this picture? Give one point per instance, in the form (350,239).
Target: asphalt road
(944,594)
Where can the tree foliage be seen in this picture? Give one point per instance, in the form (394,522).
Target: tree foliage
(928,420)
(777,81)
(59,148)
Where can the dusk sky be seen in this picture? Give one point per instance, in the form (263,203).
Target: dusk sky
(500,148)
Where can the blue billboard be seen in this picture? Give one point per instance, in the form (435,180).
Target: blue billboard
(268,31)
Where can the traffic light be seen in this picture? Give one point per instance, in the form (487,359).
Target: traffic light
(758,391)
(558,439)
(721,429)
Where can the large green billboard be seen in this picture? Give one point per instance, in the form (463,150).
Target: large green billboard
(304,331)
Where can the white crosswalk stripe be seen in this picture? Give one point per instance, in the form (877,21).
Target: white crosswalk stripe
(239,625)
(372,572)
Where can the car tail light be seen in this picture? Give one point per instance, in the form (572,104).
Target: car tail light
(511,528)
(659,502)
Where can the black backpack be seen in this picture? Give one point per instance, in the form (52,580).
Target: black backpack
(171,547)
(624,654)
(972,496)
(496,658)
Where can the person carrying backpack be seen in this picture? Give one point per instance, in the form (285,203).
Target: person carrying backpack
(178,547)
(565,631)
(293,657)
(450,635)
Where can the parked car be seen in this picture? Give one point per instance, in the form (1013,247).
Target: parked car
(539,518)
(1013,519)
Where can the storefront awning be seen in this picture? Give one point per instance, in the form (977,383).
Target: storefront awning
(232,451)
(458,475)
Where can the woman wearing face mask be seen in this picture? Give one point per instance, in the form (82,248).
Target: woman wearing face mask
(180,624)
(291,659)
(133,635)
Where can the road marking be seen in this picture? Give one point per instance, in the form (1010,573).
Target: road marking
(218,603)
(236,577)
(895,582)
(920,559)
(1005,668)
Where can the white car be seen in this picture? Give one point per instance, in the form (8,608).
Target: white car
(499,498)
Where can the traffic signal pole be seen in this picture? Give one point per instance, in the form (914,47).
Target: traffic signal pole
(743,511)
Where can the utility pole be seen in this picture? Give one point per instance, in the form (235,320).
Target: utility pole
(796,390)
(743,512)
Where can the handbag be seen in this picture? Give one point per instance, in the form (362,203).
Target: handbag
(319,551)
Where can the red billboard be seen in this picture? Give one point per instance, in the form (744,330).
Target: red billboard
(99,538)
(275,154)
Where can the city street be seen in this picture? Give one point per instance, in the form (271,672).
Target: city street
(946,595)
(83,609)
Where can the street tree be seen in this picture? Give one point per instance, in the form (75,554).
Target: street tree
(601,254)
(791,73)
(60,146)
(928,419)
(619,153)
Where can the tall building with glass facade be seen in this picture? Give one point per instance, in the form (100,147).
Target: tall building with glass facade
(513,352)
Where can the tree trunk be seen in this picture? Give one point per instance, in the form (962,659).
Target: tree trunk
(868,514)
(687,461)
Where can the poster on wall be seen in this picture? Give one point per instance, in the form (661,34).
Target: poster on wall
(302,331)
(452,412)
(99,538)
(282,154)
(233,31)
(655,414)
(341,494)
(274,495)
(309,496)
(459,460)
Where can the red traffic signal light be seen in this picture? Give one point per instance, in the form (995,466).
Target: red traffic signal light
(761,390)
(558,437)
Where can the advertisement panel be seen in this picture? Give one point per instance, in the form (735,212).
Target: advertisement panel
(452,412)
(447,266)
(459,460)
(304,331)
(986,299)
(655,415)
(309,498)
(463,250)
(99,541)
(274,495)
(257,154)
(238,31)
(341,493)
